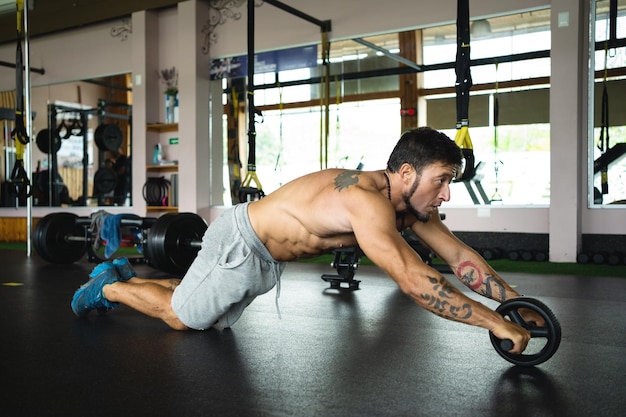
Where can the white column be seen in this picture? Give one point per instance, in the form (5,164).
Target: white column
(568,98)
(193,126)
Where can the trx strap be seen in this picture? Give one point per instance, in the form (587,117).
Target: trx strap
(278,164)
(496,197)
(19,177)
(234,162)
(603,143)
(19,132)
(325,102)
(337,116)
(325,26)
(463,85)
(247,191)
(337,103)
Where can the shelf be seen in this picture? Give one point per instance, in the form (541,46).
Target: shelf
(162,168)
(162,208)
(162,127)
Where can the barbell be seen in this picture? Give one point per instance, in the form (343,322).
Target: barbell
(174,241)
(170,244)
(545,340)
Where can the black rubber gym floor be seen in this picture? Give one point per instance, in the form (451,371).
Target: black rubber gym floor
(370,352)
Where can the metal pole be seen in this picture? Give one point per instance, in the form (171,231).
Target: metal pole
(85,120)
(251,127)
(28,159)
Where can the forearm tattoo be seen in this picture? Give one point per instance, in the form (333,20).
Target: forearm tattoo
(346,179)
(472,277)
(440,299)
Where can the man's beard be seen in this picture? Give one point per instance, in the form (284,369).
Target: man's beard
(407,200)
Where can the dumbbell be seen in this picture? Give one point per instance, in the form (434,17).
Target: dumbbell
(544,340)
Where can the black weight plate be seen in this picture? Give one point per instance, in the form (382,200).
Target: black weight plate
(147,249)
(44,139)
(49,238)
(168,241)
(109,137)
(104,180)
(544,340)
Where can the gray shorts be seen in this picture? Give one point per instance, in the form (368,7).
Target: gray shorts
(232,268)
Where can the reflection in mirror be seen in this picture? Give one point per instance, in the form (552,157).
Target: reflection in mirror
(81,144)
(608,125)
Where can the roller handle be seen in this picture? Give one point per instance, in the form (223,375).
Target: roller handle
(506,344)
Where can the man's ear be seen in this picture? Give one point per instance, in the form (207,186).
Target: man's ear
(407,173)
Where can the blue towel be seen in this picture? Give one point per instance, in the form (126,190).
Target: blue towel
(97,219)
(110,232)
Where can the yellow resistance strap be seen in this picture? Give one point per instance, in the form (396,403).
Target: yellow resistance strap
(462,138)
(251,177)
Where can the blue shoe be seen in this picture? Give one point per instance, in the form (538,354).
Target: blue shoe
(124,269)
(99,268)
(89,296)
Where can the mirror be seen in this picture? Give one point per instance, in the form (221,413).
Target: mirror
(81,144)
(607,135)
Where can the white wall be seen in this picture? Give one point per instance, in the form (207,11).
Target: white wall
(74,55)
(276,28)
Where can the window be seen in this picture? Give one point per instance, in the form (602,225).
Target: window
(361,133)
(607,145)
(364,107)
(514,155)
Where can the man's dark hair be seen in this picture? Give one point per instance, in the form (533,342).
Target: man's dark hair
(424,146)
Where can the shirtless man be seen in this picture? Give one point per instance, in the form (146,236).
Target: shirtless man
(244,251)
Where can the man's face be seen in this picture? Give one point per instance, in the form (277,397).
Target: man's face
(429,190)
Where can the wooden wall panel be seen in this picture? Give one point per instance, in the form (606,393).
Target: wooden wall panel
(13,229)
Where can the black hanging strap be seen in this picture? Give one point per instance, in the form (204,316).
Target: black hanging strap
(247,191)
(19,131)
(463,85)
(463,73)
(613,21)
(19,177)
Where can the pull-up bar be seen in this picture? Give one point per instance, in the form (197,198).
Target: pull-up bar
(12,65)
(324,25)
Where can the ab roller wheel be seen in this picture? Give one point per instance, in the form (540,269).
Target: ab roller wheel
(544,340)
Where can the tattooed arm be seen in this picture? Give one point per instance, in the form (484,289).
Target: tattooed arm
(476,274)
(432,291)
(469,267)
(375,229)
